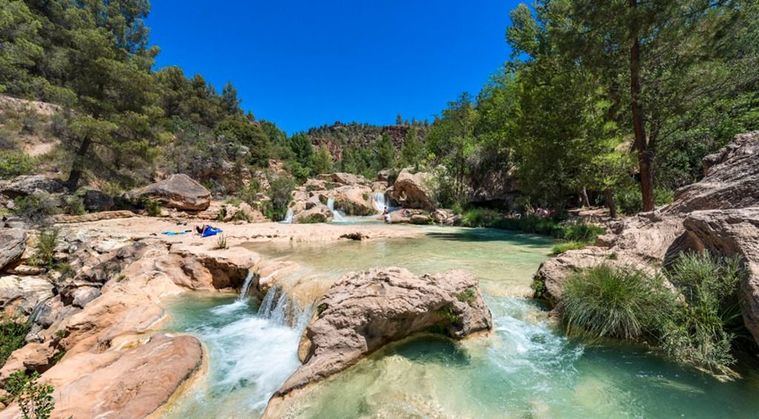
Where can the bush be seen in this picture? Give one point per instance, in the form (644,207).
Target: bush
(15,163)
(153,208)
(629,200)
(36,207)
(580,232)
(35,399)
(11,338)
(610,302)
(280,194)
(700,331)
(44,252)
(481,217)
(221,242)
(73,205)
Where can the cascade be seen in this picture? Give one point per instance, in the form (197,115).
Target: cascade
(288,217)
(246,286)
(379,202)
(280,309)
(336,215)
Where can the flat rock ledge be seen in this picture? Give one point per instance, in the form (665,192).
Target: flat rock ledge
(365,310)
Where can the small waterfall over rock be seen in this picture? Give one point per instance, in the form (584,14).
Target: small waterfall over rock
(246,286)
(288,217)
(379,202)
(278,307)
(337,216)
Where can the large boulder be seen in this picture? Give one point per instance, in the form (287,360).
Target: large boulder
(12,246)
(731,179)
(318,213)
(133,383)
(364,311)
(413,190)
(354,200)
(178,191)
(730,233)
(96,200)
(28,184)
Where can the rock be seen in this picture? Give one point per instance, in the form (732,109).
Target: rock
(413,191)
(344,178)
(731,179)
(96,200)
(444,217)
(51,311)
(12,246)
(318,214)
(20,294)
(354,200)
(83,295)
(133,383)
(28,184)
(553,273)
(421,219)
(730,233)
(95,216)
(178,191)
(364,311)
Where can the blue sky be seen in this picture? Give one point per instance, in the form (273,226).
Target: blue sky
(307,63)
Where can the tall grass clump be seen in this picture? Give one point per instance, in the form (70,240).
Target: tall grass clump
(44,251)
(702,329)
(609,302)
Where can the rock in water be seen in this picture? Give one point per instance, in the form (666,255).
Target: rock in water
(413,191)
(731,179)
(364,311)
(12,246)
(178,191)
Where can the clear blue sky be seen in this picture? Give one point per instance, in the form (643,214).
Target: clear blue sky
(304,63)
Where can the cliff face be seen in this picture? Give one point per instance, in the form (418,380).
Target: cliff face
(339,136)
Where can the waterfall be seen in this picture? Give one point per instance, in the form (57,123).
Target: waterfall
(288,217)
(246,286)
(337,216)
(278,307)
(379,202)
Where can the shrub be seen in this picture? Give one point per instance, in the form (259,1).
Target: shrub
(580,232)
(15,163)
(44,252)
(629,200)
(36,207)
(73,205)
(608,302)
(153,208)
(480,217)
(280,194)
(699,332)
(565,246)
(35,399)
(221,242)
(11,338)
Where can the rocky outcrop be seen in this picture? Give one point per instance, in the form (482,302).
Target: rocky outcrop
(413,190)
(350,194)
(19,295)
(12,246)
(318,213)
(364,311)
(731,179)
(125,383)
(178,191)
(730,233)
(28,184)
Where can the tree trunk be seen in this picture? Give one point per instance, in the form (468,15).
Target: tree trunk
(609,198)
(584,195)
(76,167)
(641,142)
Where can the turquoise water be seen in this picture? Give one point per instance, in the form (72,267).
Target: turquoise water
(526,368)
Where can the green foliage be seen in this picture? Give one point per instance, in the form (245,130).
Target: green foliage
(152,207)
(36,207)
(35,400)
(73,205)
(609,302)
(322,161)
(249,134)
(280,193)
(630,203)
(580,232)
(467,296)
(700,331)
(15,163)
(12,336)
(44,250)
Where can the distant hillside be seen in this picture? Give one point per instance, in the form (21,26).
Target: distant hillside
(339,136)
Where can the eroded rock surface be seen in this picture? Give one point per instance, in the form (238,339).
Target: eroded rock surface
(413,190)
(731,179)
(12,246)
(364,311)
(178,191)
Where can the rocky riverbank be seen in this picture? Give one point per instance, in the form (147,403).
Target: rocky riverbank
(97,327)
